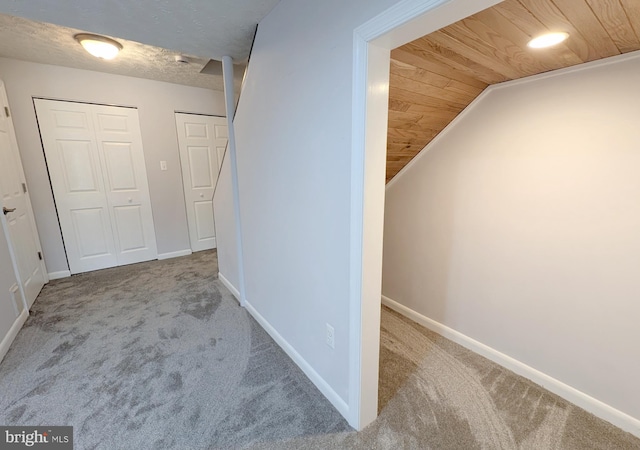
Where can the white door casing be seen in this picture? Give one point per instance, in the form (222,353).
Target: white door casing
(96,165)
(202,141)
(19,224)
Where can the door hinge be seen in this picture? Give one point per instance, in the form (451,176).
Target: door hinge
(24,188)
(40,256)
(6,111)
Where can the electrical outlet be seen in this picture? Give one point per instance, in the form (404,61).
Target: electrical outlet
(331,341)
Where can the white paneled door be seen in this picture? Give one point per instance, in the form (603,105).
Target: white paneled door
(18,219)
(97,170)
(202,141)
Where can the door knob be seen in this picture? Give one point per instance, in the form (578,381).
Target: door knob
(7,210)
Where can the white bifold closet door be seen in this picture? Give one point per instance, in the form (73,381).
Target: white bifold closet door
(99,180)
(202,141)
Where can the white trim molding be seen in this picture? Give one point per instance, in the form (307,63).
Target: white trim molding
(13,332)
(185,252)
(59,274)
(315,378)
(228,285)
(569,393)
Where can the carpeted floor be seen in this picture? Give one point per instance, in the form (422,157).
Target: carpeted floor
(160,355)
(155,355)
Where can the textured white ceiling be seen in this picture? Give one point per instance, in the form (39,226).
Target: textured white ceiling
(52,44)
(151,31)
(207,28)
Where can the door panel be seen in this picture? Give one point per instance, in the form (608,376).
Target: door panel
(119,161)
(76,177)
(204,219)
(130,228)
(99,182)
(78,166)
(120,148)
(92,238)
(202,141)
(20,224)
(201,167)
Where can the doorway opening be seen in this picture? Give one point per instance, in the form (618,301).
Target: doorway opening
(374,50)
(373,41)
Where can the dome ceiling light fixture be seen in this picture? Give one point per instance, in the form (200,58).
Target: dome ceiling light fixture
(99,46)
(547,40)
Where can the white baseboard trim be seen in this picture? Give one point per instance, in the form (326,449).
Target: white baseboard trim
(316,379)
(59,274)
(13,331)
(229,286)
(579,398)
(177,254)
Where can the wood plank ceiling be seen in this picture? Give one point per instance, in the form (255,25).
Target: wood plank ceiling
(435,77)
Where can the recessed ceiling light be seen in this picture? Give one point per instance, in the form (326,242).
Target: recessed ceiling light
(547,40)
(99,46)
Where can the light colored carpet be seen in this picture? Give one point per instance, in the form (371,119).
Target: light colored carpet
(155,355)
(159,355)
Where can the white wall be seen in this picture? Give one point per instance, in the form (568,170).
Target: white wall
(519,227)
(156,103)
(293,129)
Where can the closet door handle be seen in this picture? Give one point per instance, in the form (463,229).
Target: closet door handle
(7,210)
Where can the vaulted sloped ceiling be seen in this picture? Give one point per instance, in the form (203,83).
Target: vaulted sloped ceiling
(434,78)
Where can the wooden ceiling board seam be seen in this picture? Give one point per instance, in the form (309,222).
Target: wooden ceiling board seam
(549,14)
(409,141)
(399,149)
(415,126)
(401,115)
(458,99)
(473,49)
(509,64)
(434,122)
(404,134)
(632,10)
(395,166)
(409,96)
(613,18)
(416,73)
(456,86)
(498,45)
(407,153)
(454,61)
(397,105)
(421,117)
(403,55)
(424,76)
(520,17)
(404,149)
(580,14)
(530,60)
